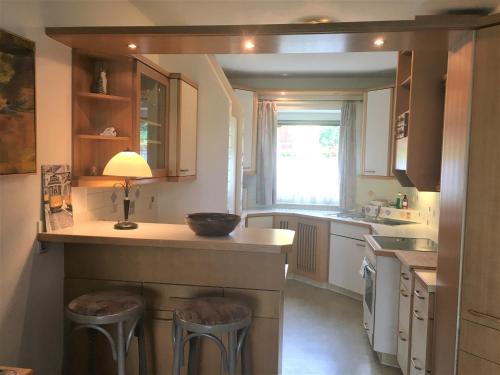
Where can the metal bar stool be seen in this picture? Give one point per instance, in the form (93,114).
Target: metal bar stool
(208,317)
(93,310)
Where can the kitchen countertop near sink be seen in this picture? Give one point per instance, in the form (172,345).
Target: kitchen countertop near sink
(418,259)
(408,230)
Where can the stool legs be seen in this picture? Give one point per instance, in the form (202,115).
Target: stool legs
(232,352)
(120,349)
(194,356)
(178,348)
(142,347)
(235,349)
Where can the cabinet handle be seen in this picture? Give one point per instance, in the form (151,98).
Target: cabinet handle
(360,244)
(369,171)
(365,325)
(183,170)
(405,276)
(418,295)
(484,316)
(400,335)
(403,293)
(415,314)
(413,363)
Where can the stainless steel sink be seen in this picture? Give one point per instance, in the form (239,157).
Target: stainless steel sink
(371,219)
(403,243)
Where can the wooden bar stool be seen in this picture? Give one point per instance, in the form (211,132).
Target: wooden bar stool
(208,317)
(93,310)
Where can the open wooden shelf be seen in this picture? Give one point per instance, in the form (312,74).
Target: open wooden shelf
(406,83)
(115,98)
(102,137)
(152,123)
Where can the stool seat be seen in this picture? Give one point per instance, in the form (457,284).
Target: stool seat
(211,311)
(106,303)
(121,308)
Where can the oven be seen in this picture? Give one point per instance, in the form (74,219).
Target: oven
(369,275)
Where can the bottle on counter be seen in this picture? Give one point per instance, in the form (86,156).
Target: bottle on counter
(399,202)
(405,203)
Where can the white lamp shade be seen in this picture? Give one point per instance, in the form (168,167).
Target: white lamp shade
(127,164)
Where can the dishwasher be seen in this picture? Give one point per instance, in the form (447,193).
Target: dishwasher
(347,251)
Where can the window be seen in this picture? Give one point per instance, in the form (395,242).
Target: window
(307,157)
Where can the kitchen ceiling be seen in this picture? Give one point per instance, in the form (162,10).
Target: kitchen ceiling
(245,12)
(309,64)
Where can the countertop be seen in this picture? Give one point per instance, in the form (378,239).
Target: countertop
(418,259)
(408,230)
(428,278)
(412,258)
(173,235)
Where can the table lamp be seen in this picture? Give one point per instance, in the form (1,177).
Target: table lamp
(127,164)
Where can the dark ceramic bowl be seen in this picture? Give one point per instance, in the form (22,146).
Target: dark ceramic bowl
(212,223)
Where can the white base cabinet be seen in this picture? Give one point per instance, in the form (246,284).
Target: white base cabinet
(346,256)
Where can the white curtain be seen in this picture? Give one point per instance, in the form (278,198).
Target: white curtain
(266,153)
(347,155)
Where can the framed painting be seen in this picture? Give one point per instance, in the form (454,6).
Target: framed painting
(17,105)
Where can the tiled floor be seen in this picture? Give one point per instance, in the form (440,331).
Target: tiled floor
(323,335)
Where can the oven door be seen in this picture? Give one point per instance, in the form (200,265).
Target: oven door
(369,300)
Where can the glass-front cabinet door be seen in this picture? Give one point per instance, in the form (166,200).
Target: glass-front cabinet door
(151,140)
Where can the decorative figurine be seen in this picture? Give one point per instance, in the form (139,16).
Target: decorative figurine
(109,132)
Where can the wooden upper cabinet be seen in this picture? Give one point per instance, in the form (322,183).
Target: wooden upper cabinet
(248,100)
(419,108)
(183,129)
(151,120)
(377,133)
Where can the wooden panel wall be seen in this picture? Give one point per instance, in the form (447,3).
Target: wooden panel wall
(453,195)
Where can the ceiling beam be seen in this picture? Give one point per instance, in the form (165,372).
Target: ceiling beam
(282,38)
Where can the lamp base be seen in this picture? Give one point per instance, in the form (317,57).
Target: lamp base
(124,225)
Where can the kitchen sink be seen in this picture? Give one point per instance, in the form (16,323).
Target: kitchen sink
(371,219)
(403,243)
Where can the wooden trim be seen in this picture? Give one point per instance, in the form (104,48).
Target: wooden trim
(184,78)
(446,22)
(143,69)
(181,178)
(150,63)
(453,196)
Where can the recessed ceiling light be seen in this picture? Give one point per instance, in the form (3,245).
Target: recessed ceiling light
(284,74)
(282,93)
(132,46)
(379,42)
(249,44)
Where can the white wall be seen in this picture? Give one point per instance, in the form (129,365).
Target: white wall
(209,191)
(31,285)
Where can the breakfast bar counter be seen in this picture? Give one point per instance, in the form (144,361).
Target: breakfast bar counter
(168,264)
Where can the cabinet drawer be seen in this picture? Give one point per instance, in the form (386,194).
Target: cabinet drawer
(480,340)
(469,364)
(349,230)
(168,296)
(421,337)
(404,336)
(263,303)
(406,278)
(423,302)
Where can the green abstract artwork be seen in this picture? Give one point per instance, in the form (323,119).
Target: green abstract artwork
(17,105)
